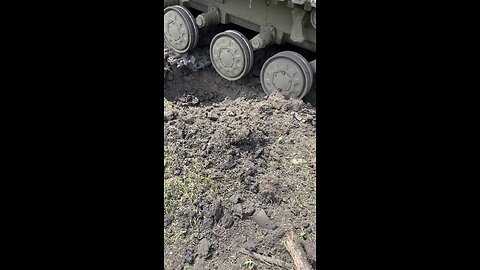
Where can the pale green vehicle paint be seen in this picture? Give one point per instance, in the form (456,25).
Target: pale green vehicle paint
(231,53)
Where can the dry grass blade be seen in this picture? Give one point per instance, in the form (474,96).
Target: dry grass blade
(265,259)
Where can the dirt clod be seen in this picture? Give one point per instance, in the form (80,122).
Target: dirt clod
(227,221)
(251,245)
(235,199)
(237,210)
(188,100)
(216,211)
(261,218)
(268,191)
(204,246)
(169,115)
(248,211)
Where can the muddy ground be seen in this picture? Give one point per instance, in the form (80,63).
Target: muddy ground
(240,171)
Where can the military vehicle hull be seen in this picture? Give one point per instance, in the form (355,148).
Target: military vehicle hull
(231,53)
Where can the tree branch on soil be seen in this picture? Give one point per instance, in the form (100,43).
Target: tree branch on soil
(296,251)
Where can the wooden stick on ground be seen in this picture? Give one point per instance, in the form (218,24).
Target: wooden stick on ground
(296,251)
(265,259)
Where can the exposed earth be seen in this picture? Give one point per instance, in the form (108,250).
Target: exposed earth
(240,170)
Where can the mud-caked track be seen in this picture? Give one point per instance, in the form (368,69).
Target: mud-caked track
(240,171)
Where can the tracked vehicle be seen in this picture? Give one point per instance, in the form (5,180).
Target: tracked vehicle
(231,53)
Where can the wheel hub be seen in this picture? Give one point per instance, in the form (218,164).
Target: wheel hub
(226,58)
(231,54)
(281,81)
(176,32)
(180,31)
(284,76)
(288,73)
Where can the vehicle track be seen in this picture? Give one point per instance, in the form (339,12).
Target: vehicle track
(209,87)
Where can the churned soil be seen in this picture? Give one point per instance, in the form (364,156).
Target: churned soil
(240,171)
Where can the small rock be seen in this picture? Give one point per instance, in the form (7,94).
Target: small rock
(199,264)
(309,118)
(217,211)
(188,100)
(227,221)
(189,120)
(261,218)
(298,161)
(251,245)
(203,250)
(251,171)
(213,117)
(268,191)
(258,153)
(237,209)
(276,236)
(169,115)
(248,211)
(298,117)
(235,199)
